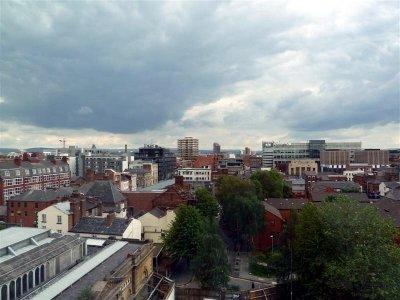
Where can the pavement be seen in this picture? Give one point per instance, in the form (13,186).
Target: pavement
(241,275)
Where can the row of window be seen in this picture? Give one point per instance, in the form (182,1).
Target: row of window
(34,179)
(8,193)
(44,219)
(27,172)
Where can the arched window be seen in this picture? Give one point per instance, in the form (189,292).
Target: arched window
(4,292)
(24,283)
(12,290)
(19,287)
(42,273)
(37,271)
(30,280)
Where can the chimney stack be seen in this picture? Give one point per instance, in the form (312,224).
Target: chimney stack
(179,180)
(83,207)
(126,148)
(110,219)
(17,161)
(100,209)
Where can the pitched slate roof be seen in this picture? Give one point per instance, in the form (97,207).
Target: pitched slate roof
(43,195)
(103,190)
(269,208)
(8,168)
(96,225)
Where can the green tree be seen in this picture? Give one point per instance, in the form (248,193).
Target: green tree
(230,186)
(345,250)
(183,239)
(206,203)
(244,216)
(210,265)
(271,182)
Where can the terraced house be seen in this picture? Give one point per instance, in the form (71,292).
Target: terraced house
(29,173)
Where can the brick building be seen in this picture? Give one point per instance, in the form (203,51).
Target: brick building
(273,228)
(373,157)
(22,209)
(30,173)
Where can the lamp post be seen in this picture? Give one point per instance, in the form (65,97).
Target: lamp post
(272,238)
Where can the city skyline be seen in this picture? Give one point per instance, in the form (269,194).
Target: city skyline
(138,73)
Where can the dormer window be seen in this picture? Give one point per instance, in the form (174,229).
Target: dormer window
(7,173)
(17,172)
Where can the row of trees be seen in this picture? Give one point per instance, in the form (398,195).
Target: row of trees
(341,250)
(194,239)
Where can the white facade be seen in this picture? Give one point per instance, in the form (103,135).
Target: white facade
(154,227)
(195,174)
(350,173)
(55,217)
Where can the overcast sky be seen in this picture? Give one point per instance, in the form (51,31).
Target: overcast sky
(115,73)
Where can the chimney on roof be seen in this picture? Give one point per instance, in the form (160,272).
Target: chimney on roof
(25,156)
(178,180)
(110,219)
(126,148)
(17,161)
(83,206)
(90,175)
(76,211)
(100,209)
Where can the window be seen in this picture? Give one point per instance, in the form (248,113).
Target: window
(44,218)
(7,182)
(17,181)
(27,172)
(7,173)
(36,205)
(17,172)
(43,227)
(34,171)
(59,221)
(25,213)
(25,204)
(58,230)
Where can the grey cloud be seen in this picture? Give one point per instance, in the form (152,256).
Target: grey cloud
(125,67)
(130,64)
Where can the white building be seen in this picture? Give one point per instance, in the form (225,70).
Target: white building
(56,217)
(195,174)
(156,223)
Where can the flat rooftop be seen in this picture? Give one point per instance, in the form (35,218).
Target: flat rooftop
(14,235)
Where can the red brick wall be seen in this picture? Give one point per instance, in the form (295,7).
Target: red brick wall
(273,226)
(24,212)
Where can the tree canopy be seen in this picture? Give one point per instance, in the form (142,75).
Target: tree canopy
(270,184)
(344,249)
(206,203)
(183,238)
(210,265)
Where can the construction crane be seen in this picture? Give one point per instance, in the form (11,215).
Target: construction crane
(63,142)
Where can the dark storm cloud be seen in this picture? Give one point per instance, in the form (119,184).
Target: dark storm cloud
(125,67)
(120,67)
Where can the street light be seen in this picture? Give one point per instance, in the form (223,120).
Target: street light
(272,237)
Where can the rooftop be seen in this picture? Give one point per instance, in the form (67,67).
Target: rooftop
(14,235)
(88,272)
(286,203)
(37,255)
(103,190)
(43,195)
(97,225)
